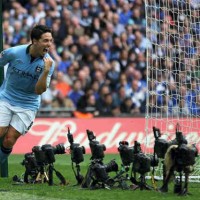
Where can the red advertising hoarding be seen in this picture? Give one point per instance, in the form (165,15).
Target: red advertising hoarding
(108,131)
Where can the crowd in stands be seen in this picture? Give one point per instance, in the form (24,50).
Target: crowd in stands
(99,48)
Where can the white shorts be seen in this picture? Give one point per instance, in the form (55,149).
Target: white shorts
(19,118)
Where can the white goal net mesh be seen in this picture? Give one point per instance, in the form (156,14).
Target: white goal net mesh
(173,27)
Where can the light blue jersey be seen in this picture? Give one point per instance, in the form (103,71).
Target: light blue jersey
(22,74)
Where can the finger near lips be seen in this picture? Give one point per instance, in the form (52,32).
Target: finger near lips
(48,61)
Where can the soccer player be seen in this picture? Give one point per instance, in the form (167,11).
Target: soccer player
(28,75)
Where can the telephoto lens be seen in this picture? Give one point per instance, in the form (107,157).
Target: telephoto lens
(59,149)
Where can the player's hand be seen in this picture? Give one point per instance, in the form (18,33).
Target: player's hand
(47,63)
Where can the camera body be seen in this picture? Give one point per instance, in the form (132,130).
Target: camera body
(97,149)
(143,163)
(76,150)
(126,153)
(31,166)
(161,145)
(185,155)
(100,170)
(46,153)
(30,163)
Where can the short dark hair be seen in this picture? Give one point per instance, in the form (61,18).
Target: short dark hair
(39,30)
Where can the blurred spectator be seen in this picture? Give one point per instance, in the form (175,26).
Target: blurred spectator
(124,41)
(76,9)
(137,20)
(112,75)
(162,93)
(136,92)
(65,61)
(116,48)
(152,106)
(103,90)
(91,105)
(141,43)
(18,33)
(125,13)
(104,37)
(99,76)
(76,92)
(95,86)
(123,59)
(71,76)
(62,85)
(107,107)
(193,98)
(63,102)
(118,27)
(49,95)
(128,107)
(123,81)
(84,76)
(8,32)
(85,19)
(77,28)
(120,95)
(82,102)
(87,103)
(182,108)
(29,4)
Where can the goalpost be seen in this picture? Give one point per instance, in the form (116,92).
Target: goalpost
(173,70)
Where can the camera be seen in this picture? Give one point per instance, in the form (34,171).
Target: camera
(126,153)
(141,162)
(97,149)
(31,167)
(185,155)
(76,150)
(98,172)
(29,161)
(161,145)
(46,153)
(101,170)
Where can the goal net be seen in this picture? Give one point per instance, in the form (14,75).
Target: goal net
(173,71)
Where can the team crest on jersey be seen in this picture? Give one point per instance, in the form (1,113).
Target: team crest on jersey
(38,69)
(19,61)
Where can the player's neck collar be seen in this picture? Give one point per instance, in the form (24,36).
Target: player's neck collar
(28,49)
